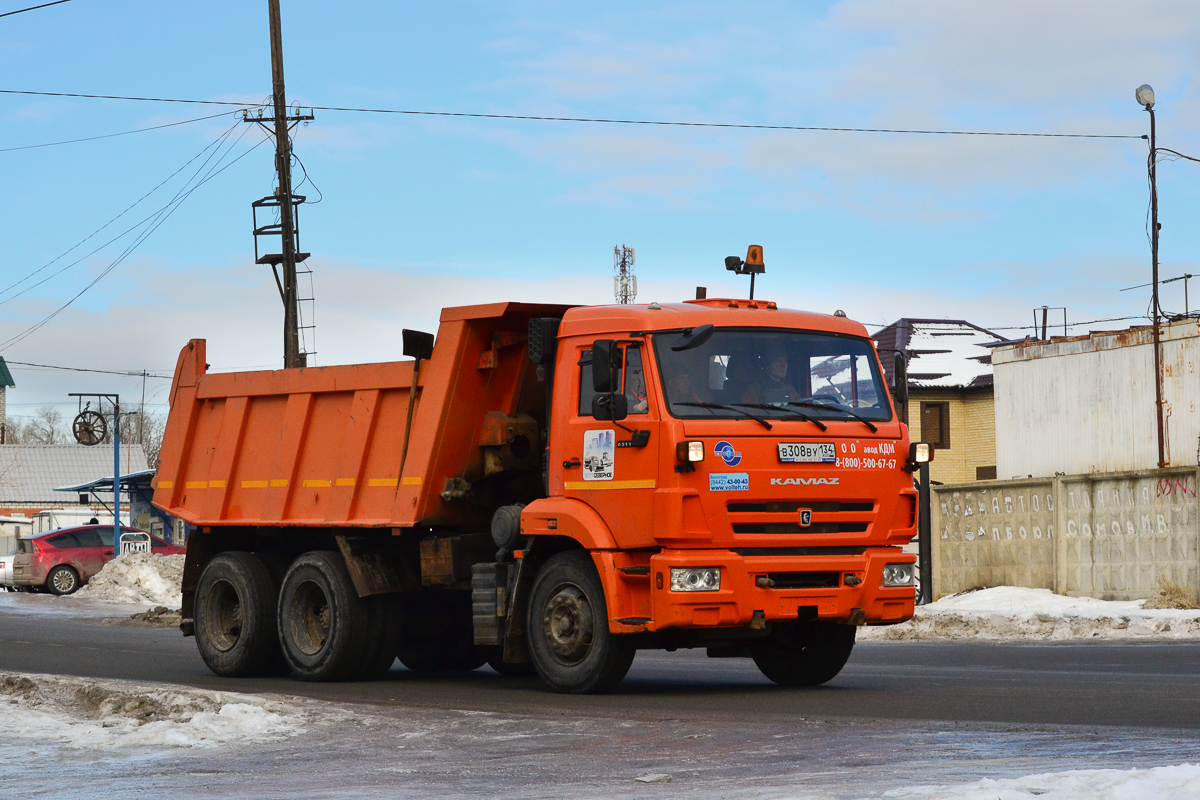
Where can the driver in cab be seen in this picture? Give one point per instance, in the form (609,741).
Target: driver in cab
(774,388)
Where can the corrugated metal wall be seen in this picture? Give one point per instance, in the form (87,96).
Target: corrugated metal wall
(1085,405)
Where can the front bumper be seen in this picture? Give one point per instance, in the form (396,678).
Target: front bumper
(743,598)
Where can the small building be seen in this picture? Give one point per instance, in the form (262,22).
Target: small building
(950,392)
(136,505)
(30,473)
(1086,404)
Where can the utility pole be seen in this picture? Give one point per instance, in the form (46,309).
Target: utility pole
(283,200)
(1145,98)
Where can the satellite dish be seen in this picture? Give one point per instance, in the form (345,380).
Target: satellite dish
(90,428)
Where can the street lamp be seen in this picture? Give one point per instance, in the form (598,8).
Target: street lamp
(1145,98)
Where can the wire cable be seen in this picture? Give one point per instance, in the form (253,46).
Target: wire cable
(217,143)
(111,135)
(604,121)
(128,373)
(34,8)
(161,217)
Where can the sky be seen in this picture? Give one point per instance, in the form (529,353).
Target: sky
(417,213)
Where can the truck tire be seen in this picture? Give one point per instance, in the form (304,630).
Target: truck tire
(382,638)
(63,580)
(235,617)
(325,628)
(569,641)
(804,655)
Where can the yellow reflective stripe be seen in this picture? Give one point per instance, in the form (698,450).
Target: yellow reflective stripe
(312,484)
(166,484)
(381,482)
(278,482)
(254,484)
(196,485)
(216,484)
(647,483)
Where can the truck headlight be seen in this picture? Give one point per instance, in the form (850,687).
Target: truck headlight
(695,579)
(898,575)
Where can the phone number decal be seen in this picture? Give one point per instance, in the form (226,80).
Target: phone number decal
(866,462)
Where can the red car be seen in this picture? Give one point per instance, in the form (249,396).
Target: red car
(61,561)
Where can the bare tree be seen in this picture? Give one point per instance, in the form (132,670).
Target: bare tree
(46,427)
(148,432)
(14,430)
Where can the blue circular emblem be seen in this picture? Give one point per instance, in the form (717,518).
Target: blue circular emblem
(724,450)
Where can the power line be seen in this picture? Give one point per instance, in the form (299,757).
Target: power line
(162,216)
(125,373)
(1023,327)
(603,120)
(111,135)
(34,8)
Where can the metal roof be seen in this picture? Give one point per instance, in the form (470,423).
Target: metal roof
(106,483)
(29,473)
(6,378)
(941,353)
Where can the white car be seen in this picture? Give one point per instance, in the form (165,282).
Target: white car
(6,572)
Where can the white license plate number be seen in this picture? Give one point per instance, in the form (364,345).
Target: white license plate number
(807,453)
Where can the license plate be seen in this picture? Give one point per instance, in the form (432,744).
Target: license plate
(807,453)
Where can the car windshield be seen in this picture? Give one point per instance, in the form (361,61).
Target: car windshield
(774,373)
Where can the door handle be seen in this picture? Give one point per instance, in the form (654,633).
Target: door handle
(569,464)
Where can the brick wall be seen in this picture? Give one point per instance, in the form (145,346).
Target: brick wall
(972,433)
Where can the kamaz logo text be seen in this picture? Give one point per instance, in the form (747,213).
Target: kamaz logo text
(804,481)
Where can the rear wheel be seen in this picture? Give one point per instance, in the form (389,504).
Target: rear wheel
(569,641)
(804,654)
(325,628)
(235,617)
(63,580)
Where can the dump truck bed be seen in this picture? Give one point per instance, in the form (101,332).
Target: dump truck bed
(322,446)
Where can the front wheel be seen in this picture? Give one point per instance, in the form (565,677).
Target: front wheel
(569,641)
(798,654)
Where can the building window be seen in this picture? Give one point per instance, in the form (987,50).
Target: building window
(935,424)
(985,473)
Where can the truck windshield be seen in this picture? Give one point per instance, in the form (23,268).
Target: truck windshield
(778,373)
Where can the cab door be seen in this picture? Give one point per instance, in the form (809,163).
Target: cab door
(613,466)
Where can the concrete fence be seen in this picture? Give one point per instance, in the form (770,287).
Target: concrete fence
(1110,535)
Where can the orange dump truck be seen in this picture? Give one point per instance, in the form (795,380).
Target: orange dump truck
(548,488)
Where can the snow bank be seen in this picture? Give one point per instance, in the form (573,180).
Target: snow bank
(1161,783)
(146,578)
(1011,612)
(88,713)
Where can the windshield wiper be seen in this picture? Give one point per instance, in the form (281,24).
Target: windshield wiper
(835,407)
(795,414)
(757,419)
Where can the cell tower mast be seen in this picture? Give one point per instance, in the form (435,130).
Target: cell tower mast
(624,281)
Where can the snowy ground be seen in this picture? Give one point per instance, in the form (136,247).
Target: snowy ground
(85,737)
(1014,613)
(141,578)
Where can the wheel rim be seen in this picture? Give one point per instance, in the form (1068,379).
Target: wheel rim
(63,580)
(568,624)
(310,618)
(223,615)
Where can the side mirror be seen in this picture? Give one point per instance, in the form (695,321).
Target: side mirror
(900,390)
(605,358)
(417,345)
(610,407)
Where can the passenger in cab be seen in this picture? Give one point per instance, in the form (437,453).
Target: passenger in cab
(773,388)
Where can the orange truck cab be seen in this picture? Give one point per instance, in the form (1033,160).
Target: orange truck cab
(548,488)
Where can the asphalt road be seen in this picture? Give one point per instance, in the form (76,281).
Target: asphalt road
(1144,686)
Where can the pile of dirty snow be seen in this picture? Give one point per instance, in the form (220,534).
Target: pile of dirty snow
(145,578)
(1012,612)
(98,714)
(1161,783)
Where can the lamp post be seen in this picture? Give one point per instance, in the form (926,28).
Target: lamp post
(1145,98)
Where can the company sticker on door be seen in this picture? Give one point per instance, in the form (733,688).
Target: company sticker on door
(729,482)
(598,449)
